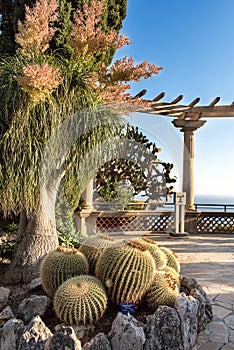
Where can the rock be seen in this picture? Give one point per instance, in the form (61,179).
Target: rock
(187,308)
(126,333)
(35,285)
(11,333)
(99,342)
(81,330)
(34,335)
(163,330)
(204,313)
(30,307)
(6,315)
(63,338)
(4,295)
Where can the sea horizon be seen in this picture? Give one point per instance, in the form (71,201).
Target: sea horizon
(213,199)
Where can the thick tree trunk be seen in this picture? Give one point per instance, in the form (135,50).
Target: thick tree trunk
(36,237)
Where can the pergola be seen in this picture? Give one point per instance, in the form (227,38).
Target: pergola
(188,118)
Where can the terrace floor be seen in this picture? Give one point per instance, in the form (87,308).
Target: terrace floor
(209,258)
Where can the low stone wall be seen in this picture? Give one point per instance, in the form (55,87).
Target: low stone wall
(167,328)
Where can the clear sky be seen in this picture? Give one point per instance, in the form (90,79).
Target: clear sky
(194,42)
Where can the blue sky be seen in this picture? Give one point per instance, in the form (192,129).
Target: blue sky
(194,42)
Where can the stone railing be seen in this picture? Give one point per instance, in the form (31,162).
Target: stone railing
(146,221)
(215,222)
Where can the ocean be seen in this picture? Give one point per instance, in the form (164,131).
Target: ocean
(213,199)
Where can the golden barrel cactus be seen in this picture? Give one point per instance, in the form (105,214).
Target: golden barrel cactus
(59,265)
(80,300)
(127,270)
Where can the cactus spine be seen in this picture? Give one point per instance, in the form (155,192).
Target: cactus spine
(127,270)
(92,247)
(163,291)
(59,265)
(172,260)
(80,300)
(158,255)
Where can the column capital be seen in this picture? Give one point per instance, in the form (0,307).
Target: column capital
(188,124)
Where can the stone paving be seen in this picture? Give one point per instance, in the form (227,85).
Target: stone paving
(209,258)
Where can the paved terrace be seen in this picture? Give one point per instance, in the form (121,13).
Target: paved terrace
(209,258)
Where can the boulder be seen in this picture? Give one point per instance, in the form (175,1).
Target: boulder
(126,333)
(35,285)
(99,342)
(6,315)
(81,330)
(33,306)
(34,335)
(163,330)
(63,338)
(187,308)
(11,333)
(4,295)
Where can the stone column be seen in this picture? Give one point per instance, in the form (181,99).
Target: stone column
(188,126)
(88,196)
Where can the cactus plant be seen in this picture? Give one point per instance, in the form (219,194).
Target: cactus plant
(92,247)
(80,300)
(127,270)
(172,260)
(59,265)
(163,291)
(158,255)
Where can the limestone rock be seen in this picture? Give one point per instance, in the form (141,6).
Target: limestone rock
(187,308)
(6,315)
(163,330)
(81,330)
(30,307)
(99,342)
(11,333)
(34,335)
(4,295)
(126,333)
(204,314)
(63,338)
(35,285)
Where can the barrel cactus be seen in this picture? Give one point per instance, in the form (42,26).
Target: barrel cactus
(92,247)
(80,300)
(172,260)
(127,270)
(158,255)
(163,291)
(59,265)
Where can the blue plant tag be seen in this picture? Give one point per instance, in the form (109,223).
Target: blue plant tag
(127,307)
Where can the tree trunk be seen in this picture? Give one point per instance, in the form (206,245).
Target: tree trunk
(36,237)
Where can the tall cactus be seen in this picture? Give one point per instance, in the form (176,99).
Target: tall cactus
(163,291)
(158,255)
(92,247)
(127,270)
(80,300)
(59,265)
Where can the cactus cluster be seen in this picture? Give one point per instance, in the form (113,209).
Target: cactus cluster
(127,270)
(123,271)
(92,247)
(59,265)
(163,290)
(80,300)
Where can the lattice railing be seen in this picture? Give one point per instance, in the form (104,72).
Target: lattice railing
(135,221)
(215,222)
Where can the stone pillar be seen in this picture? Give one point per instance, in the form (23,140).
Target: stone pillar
(88,196)
(188,126)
